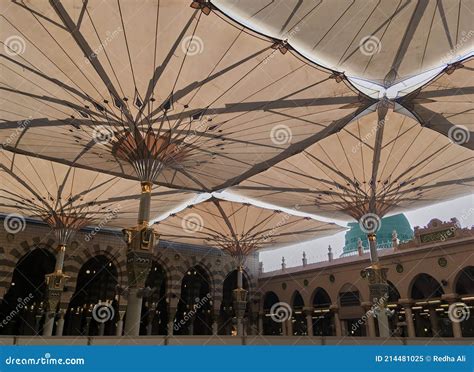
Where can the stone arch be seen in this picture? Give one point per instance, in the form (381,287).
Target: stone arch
(182,268)
(393,293)
(25,293)
(95,287)
(349,294)
(194,308)
(270,327)
(11,257)
(424,286)
(298,318)
(322,317)
(319,294)
(463,283)
(253,295)
(76,258)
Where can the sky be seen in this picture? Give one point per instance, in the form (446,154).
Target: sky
(316,250)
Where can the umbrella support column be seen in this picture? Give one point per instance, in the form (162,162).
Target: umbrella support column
(240,302)
(378,288)
(55,286)
(140,243)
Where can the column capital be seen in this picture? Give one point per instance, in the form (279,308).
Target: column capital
(406,302)
(308,310)
(334,308)
(366,304)
(450,297)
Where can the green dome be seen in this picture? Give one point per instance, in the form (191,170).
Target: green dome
(398,222)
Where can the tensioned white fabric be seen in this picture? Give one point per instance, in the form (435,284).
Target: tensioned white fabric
(382,41)
(240,228)
(38,188)
(446,104)
(396,163)
(75,76)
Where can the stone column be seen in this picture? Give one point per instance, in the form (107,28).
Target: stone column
(378,288)
(150,318)
(216,309)
(119,329)
(407,303)
(60,323)
(240,301)
(49,323)
(55,283)
(434,320)
(451,299)
(289,325)
(308,311)
(171,315)
(337,321)
(260,324)
(140,244)
(370,318)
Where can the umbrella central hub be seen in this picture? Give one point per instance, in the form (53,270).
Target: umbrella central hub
(149,153)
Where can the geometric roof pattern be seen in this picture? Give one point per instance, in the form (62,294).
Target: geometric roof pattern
(81,82)
(64,196)
(240,228)
(446,104)
(381,41)
(370,166)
